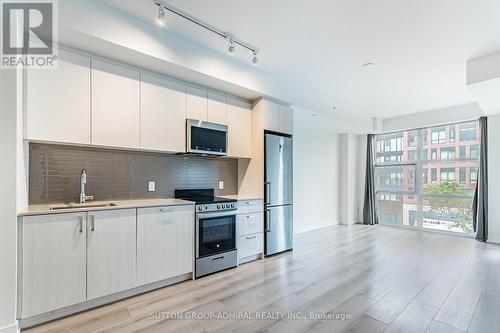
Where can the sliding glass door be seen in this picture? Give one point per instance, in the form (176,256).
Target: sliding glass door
(426,178)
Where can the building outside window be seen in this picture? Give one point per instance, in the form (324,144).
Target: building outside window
(448,153)
(473,175)
(433,175)
(438,136)
(474,151)
(440,197)
(463,175)
(434,154)
(448,174)
(468,131)
(463,152)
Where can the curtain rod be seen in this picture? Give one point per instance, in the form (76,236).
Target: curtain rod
(426,127)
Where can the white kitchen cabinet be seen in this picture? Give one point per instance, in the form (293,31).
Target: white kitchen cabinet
(111,252)
(271,117)
(115,106)
(247,224)
(239,121)
(278,118)
(163,114)
(58,101)
(249,245)
(286,120)
(53,262)
(217,108)
(197,103)
(165,237)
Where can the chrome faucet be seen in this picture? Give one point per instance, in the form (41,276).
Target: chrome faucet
(83,181)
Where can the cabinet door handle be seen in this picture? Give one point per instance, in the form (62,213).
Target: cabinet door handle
(251,237)
(92,223)
(80,224)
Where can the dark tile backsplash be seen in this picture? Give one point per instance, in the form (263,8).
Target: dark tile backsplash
(54,173)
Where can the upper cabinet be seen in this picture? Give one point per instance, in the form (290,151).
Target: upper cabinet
(115,106)
(163,114)
(239,120)
(58,101)
(217,108)
(278,118)
(197,103)
(91,101)
(286,120)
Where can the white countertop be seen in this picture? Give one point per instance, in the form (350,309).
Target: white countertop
(119,204)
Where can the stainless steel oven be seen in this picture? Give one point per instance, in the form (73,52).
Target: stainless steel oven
(215,239)
(206,138)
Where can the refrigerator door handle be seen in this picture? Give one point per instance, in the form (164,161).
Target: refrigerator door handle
(268,192)
(268,220)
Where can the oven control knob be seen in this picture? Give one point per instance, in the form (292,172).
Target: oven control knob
(200,208)
(223,206)
(232,205)
(218,206)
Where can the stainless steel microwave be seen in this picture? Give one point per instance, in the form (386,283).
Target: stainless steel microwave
(206,138)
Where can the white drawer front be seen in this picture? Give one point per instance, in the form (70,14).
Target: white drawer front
(250,206)
(250,245)
(247,224)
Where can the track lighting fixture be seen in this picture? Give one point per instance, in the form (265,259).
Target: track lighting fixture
(233,42)
(231,49)
(255,60)
(160,19)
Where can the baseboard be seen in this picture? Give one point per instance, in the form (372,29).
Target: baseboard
(9,329)
(494,239)
(314,227)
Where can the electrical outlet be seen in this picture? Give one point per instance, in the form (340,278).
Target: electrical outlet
(151,186)
(221,185)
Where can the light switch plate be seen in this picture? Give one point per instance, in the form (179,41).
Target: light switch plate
(151,186)
(221,185)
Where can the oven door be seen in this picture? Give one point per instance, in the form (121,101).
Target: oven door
(206,138)
(215,233)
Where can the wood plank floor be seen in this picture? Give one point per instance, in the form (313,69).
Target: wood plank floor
(365,278)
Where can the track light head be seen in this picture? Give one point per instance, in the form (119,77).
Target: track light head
(255,60)
(160,19)
(232,49)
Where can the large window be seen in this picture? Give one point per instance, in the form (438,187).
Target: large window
(426,178)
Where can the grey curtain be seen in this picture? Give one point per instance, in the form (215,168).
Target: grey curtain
(369,209)
(480,204)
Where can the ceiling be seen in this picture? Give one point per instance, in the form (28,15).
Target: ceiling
(315,49)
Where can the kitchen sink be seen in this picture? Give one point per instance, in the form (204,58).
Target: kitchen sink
(85,205)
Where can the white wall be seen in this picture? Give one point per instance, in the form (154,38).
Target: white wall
(8,98)
(316,170)
(494,178)
(434,117)
(348,178)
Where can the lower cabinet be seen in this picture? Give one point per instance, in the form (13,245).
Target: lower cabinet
(111,252)
(250,245)
(69,259)
(164,242)
(53,262)
(250,230)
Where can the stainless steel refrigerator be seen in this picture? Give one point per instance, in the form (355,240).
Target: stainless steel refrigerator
(278,188)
